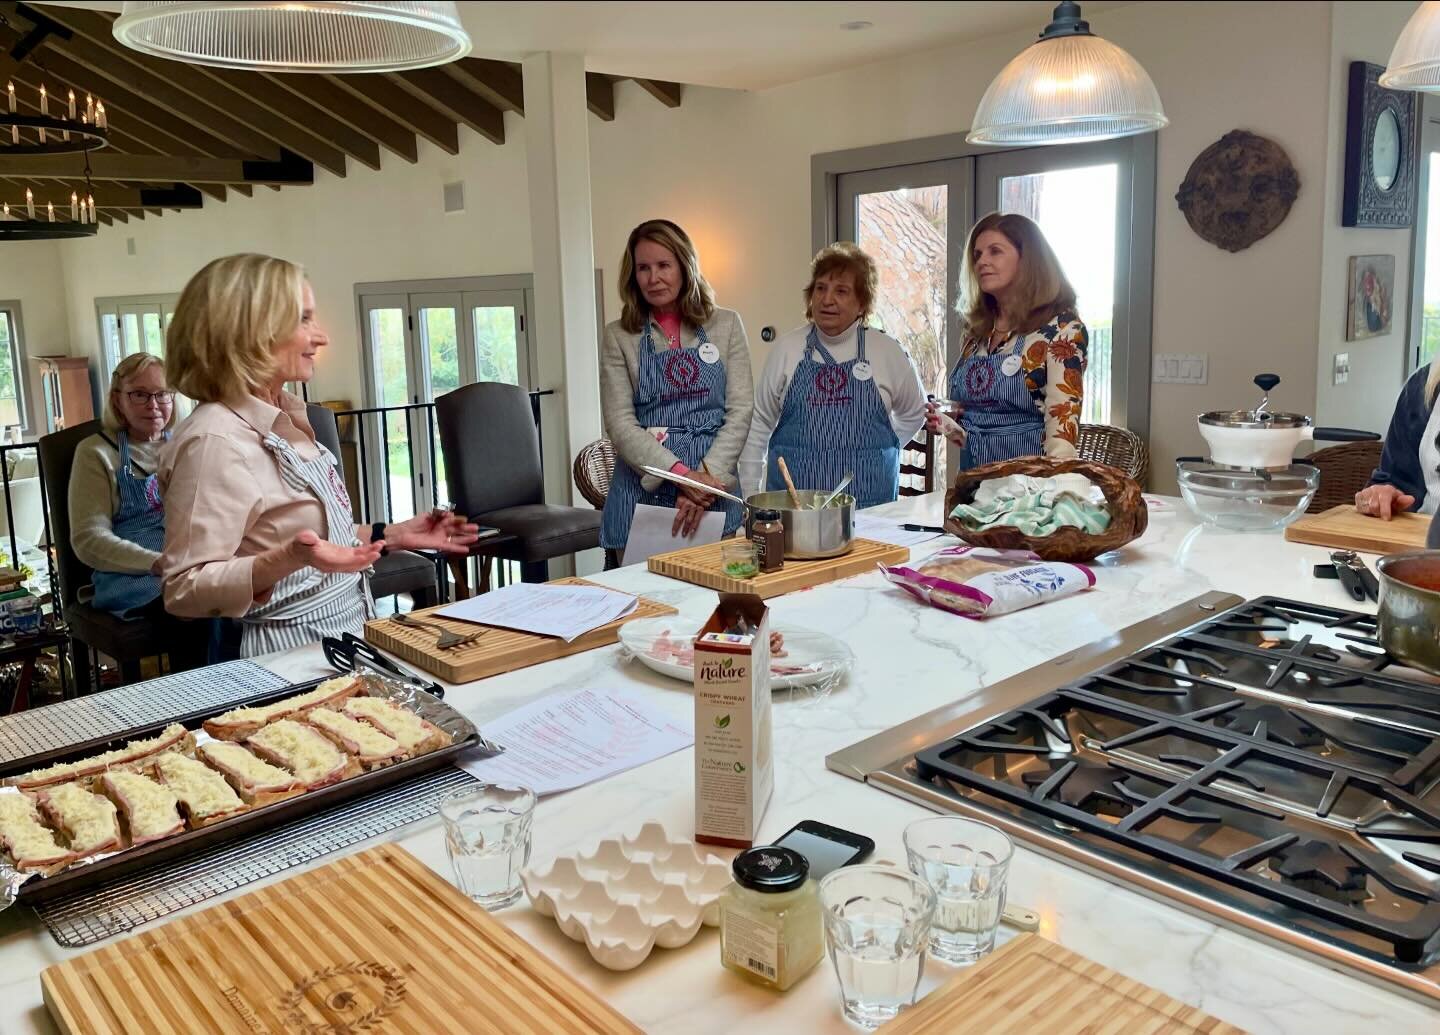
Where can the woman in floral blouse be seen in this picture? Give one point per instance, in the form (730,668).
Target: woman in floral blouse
(1019,383)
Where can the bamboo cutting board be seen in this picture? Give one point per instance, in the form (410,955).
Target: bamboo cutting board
(702,566)
(376,942)
(1031,985)
(499,650)
(1345,528)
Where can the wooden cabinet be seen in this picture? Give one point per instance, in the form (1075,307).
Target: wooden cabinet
(69,398)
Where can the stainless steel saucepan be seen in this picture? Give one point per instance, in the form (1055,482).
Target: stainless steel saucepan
(809,534)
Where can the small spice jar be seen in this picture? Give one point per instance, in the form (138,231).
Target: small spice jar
(737,558)
(767,532)
(770,924)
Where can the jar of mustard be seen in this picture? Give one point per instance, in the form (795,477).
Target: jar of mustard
(770,925)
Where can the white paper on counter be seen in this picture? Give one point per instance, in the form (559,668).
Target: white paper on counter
(547,609)
(888,531)
(576,737)
(650,532)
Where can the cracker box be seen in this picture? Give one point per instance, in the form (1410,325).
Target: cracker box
(734,763)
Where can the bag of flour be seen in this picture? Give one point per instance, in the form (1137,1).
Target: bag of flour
(978,582)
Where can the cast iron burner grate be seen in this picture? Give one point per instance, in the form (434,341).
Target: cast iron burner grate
(1321,868)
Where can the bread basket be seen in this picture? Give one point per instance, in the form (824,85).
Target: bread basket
(1129,516)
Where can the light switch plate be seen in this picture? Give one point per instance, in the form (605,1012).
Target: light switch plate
(1342,367)
(1180,369)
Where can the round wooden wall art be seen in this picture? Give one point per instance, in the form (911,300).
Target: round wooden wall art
(1238,190)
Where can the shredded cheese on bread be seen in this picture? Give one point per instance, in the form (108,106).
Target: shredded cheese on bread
(88,820)
(29,842)
(172,738)
(151,809)
(415,735)
(357,737)
(299,748)
(330,690)
(246,772)
(201,790)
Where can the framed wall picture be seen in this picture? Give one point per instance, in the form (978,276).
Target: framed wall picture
(1380,152)
(1369,307)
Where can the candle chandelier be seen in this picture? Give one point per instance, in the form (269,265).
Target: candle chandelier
(77,130)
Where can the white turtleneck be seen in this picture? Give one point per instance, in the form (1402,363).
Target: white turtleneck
(895,377)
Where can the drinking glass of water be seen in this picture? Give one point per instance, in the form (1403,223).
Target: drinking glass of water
(487,833)
(877,925)
(967,863)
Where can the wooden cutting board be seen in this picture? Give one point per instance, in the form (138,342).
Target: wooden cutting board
(1344,528)
(499,650)
(376,942)
(1031,985)
(702,566)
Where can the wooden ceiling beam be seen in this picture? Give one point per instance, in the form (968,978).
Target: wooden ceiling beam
(166,168)
(396,102)
(499,82)
(187,90)
(666,93)
(352,111)
(435,87)
(241,188)
(600,96)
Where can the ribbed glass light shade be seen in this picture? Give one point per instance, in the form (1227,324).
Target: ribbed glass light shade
(1067,90)
(297,35)
(1415,61)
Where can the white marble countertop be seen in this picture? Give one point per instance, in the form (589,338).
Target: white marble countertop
(910,659)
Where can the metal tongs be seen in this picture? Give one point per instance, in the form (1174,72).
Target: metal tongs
(348,650)
(1359,581)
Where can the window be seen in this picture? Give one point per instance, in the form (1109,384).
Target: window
(1425,258)
(911,207)
(136,323)
(13,411)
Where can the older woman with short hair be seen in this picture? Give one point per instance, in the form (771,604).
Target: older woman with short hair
(674,385)
(1020,379)
(117,519)
(1408,477)
(835,396)
(261,527)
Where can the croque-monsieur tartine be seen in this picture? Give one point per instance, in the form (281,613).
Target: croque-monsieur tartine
(239,723)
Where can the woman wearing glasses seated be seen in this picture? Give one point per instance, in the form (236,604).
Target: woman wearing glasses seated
(117,521)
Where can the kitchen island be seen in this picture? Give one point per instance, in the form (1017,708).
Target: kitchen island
(909,660)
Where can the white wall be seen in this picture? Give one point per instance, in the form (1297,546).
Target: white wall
(1362,32)
(734,168)
(31,272)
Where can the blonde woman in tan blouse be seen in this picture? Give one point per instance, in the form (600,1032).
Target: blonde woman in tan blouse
(259,525)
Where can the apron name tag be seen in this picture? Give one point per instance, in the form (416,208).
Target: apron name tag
(1011,366)
(709,352)
(863,371)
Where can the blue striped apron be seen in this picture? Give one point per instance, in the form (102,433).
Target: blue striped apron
(1001,420)
(140,520)
(832,422)
(680,392)
(308,605)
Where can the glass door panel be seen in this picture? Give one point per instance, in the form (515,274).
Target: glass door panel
(499,340)
(10,374)
(1428,339)
(129,334)
(388,473)
(441,350)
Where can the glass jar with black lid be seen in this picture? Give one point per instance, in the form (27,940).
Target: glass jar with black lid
(770,925)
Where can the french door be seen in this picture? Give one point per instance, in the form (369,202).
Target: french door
(1094,204)
(419,345)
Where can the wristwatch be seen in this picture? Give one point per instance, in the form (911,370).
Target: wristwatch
(377,531)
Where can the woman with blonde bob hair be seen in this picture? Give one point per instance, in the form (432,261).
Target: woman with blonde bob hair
(835,396)
(1018,386)
(261,527)
(117,519)
(674,385)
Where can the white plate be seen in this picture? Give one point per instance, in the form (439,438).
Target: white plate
(802,646)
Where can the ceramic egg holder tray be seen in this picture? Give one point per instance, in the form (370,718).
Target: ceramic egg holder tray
(627,895)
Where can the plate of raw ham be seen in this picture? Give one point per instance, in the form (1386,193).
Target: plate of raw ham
(798,657)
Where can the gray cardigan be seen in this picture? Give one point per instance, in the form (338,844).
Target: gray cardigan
(619,374)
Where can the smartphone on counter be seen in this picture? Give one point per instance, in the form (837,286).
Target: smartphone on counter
(826,848)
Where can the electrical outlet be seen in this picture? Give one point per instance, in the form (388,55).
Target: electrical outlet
(1342,367)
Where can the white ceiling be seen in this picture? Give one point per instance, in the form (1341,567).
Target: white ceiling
(740,45)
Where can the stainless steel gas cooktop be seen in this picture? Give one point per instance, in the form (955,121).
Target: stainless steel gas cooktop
(1264,763)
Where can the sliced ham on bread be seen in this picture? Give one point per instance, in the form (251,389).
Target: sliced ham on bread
(29,843)
(303,750)
(134,755)
(368,745)
(239,723)
(416,735)
(88,821)
(150,809)
(254,779)
(204,795)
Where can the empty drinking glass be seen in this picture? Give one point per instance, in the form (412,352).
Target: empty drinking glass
(487,833)
(877,924)
(967,864)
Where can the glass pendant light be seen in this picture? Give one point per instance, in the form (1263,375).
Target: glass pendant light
(1066,87)
(297,35)
(1415,61)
